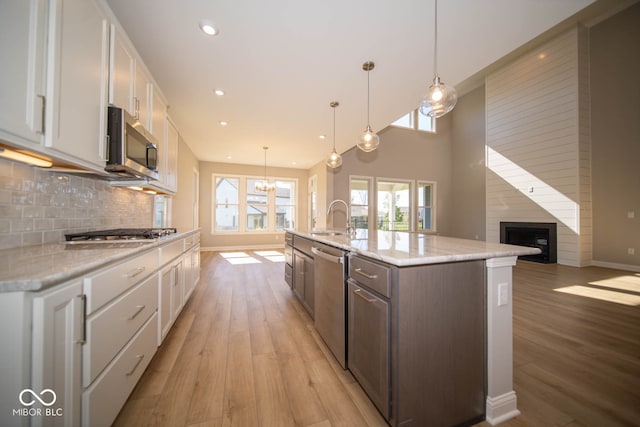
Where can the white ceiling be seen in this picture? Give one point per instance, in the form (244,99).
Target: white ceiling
(282,61)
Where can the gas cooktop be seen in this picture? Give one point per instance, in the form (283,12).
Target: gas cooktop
(120,235)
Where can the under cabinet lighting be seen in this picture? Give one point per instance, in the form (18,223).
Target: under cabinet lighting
(25,158)
(136,188)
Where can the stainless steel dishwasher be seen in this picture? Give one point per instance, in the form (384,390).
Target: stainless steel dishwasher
(330,266)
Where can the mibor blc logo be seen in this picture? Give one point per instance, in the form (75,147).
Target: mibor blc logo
(46,397)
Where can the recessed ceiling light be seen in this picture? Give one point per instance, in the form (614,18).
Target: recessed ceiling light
(322,136)
(229,157)
(219,92)
(294,163)
(208,28)
(223,123)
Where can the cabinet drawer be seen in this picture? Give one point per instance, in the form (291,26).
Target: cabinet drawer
(191,241)
(108,284)
(370,274)
(110,329)
(171,251)
(288,238)
(303,245)
(103,400)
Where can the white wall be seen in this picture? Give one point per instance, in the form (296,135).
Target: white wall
(537,142)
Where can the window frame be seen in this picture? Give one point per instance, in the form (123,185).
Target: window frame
(243,204)
(434,190)
(414,186)
(412,195)
(371,197)
(414,122)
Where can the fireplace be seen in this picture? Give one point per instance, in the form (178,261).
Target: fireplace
(540,235)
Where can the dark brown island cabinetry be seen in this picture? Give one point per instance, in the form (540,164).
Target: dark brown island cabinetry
(416,340)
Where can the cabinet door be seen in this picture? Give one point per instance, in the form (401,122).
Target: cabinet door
(22,81)
(164,302)
(177,289)
(309,290)
(77,80)
(369,345)
(142,97)
(121,73)
(171,160)
(298,274)
(58,322)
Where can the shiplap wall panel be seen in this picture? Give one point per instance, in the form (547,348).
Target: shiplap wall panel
(538,167)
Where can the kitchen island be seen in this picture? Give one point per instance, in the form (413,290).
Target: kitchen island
(428,324)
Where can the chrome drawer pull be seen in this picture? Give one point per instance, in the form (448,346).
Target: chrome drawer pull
(139,357)
(134,273)
(368,276)
(357,292)
(138,311)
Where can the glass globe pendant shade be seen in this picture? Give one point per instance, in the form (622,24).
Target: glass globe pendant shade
(334,160)
(439,100)
(368,140)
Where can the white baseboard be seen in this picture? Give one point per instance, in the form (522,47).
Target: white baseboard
(502,408)
(241,248)
(616,265)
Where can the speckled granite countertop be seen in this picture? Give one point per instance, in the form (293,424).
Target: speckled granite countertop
(33,268)
(403,249)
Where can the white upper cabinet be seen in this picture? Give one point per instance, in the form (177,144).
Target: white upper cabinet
(121,73)
(22,79)
(143,90)
(171,168)
(78,65)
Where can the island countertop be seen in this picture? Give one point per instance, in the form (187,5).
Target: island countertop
(403,248)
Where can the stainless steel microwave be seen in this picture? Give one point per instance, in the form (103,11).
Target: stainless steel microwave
(132,150)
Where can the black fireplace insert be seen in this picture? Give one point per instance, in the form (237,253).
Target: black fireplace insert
(542,235)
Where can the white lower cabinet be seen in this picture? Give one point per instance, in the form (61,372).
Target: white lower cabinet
(58,335)
(88,341)
(110,329)
(102,401)
(171,296)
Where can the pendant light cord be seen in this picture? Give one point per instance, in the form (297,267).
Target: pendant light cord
(368,100)
(435,47)
(334,128)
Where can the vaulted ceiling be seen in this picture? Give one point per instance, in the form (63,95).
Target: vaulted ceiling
(281,62)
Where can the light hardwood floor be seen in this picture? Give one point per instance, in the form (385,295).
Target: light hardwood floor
(244,352)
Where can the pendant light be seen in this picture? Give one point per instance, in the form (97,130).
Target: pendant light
(368,140)
(440,98)
(334,160)
(264,185)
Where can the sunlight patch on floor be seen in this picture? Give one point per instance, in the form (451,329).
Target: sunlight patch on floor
(273,256)
(623,283)
(601,294)
(239,258)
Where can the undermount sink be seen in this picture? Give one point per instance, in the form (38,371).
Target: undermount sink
(327,232)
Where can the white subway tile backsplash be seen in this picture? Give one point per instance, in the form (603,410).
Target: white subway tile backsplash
(39,206)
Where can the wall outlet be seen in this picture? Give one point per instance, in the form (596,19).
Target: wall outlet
(631,214)
(503,294)
(631,251)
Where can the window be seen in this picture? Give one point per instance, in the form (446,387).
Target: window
(425,205)
(227,204)
(394,205)
(285,204)
(257,206)
(415,120)
(240,208)
(359,201)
